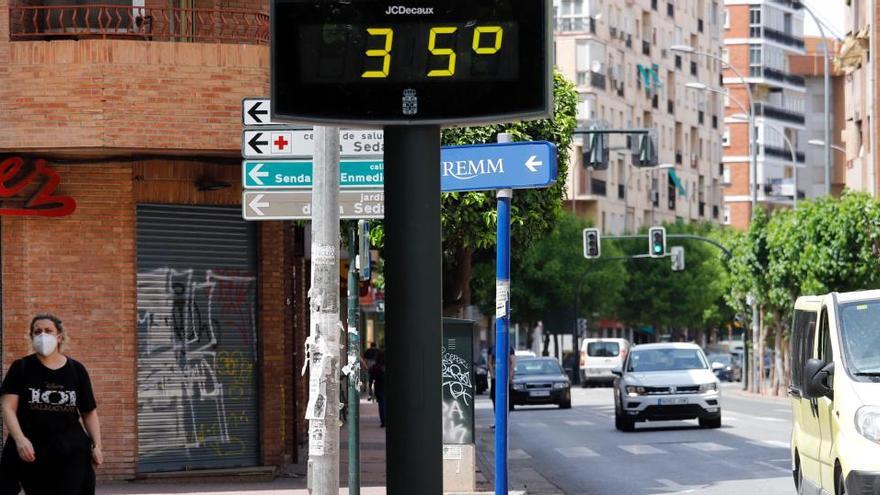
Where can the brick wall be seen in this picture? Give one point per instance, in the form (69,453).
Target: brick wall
(740,215)
(83,267)
(129,96)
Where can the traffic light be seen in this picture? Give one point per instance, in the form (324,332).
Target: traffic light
(647,152)
(596,152)
(592,243)
(657,242)
(677,258)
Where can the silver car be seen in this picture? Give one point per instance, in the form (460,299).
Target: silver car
(666,382)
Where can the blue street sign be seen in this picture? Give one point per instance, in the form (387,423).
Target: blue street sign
(299,174)
(484,167)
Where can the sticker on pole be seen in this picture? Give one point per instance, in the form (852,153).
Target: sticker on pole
(502,298)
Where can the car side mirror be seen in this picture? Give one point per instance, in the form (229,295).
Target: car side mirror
(617,371)
(817,377)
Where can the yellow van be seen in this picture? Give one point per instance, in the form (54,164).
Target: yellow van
(835,394)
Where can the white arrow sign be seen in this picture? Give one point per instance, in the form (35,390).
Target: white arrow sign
(257,175)
(257,203)
(533,163)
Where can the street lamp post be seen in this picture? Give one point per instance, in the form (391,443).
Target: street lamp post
(753,161)
(827,82)
(791,148)
(820,143)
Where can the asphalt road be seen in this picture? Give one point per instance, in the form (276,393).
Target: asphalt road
(578,451)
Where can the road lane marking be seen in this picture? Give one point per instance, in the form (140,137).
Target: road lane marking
(642,449)
(773,467)
(576,452)
(708,446)
(770,443)
(579,423)
(531,424)
(518,454)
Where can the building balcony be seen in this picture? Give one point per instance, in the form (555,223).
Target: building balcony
(778,76)
(783,38)
(769,111)
(598,187)
(576,24)
(101,21)
(782,154)
(117,79)
(792,4)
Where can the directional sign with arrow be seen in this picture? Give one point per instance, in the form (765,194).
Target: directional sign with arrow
(270,174)
(289,143)
(255,112)
(297,205)
(484,167)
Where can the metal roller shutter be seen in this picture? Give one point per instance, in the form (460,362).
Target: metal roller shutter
(197,339)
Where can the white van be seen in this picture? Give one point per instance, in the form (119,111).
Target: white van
(599,357)
(835,393)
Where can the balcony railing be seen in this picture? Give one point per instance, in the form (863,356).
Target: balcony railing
(777,75)
(141,23)
(783,153)
(783,38)
(774,112)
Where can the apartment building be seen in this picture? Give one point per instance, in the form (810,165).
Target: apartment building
(760,36)
(619,55)
(860,133)
(811,178)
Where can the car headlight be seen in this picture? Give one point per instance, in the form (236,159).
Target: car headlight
(868,423)
(708,387)
(519,386)
(635,391)
(560,385)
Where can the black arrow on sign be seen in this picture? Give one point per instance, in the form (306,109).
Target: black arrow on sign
(254,143)
(255,110)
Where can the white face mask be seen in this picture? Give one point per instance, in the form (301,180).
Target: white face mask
(45,344)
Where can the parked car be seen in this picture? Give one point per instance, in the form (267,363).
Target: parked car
(522,353)
(540,381)
(835,393)
(725,367)
(599,357)
(665,382)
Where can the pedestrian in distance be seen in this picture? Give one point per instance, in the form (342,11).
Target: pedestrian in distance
(511,361)
(50,412)
(377,372)
(370,356)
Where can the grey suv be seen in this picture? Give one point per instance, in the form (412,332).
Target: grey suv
(666,382)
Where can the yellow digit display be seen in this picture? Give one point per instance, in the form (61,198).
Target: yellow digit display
(496,30)
(442,52)
(385,53)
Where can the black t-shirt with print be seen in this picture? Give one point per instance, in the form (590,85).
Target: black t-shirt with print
(50,401)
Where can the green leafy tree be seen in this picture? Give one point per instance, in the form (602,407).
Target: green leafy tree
(469,218)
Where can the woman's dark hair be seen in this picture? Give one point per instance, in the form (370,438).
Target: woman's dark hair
(59,325)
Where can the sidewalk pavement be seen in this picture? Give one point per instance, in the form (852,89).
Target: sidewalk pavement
(372,446)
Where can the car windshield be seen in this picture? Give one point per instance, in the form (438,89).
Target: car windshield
(603,349)
(720,358)
(538,367)
(666,360)
(860,331)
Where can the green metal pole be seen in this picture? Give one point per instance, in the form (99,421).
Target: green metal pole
(354,361)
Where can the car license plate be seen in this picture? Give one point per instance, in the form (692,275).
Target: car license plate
(672,402)
(540,393)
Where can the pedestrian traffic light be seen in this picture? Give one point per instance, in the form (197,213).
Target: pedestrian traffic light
(596,152)
(677,258)
(592,243)
(657,242)
(647,152)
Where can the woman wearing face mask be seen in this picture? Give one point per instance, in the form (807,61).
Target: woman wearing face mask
(44,397)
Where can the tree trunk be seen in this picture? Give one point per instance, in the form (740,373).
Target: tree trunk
(779,371)
(556,344)
(546,338)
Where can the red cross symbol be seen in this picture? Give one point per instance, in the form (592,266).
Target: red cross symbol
(281,143)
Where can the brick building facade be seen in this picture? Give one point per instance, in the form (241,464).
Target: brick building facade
(132,127)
